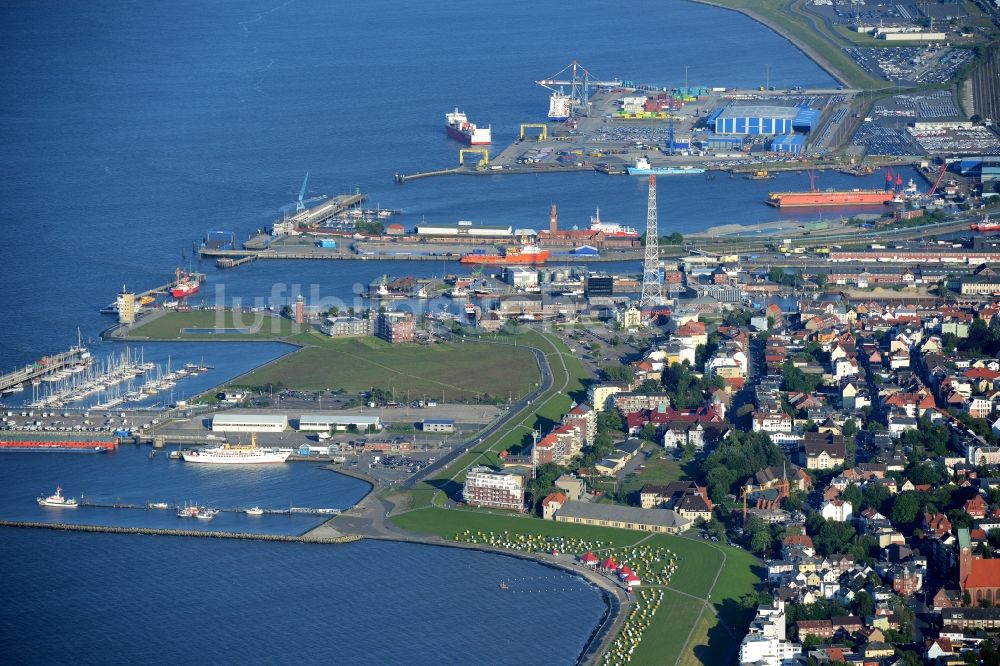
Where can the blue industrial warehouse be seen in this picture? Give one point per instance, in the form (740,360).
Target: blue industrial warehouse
(789,143)
(759,119)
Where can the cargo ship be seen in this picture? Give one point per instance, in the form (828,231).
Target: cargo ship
(460,129)
(185,285)
(527,254)
(830,198)
(611,229)
(57,442)
(560,107)
(644,168)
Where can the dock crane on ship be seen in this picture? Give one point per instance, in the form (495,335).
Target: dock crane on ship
(580,84)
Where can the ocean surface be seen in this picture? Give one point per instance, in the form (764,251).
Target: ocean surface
(72,598)
(129,476)
(130,129)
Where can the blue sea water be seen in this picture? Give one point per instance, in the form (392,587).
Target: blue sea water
(72,598)
(130,129)
(129,476)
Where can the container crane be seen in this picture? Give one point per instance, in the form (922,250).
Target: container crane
(579,82)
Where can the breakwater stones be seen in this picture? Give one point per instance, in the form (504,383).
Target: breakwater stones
(153,531)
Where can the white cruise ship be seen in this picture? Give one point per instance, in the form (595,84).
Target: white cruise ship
(236,454)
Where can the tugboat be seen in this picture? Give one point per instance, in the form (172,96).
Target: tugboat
(57,500)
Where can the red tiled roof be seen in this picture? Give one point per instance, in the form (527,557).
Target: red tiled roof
(984,573)
(981,373)
(558,498)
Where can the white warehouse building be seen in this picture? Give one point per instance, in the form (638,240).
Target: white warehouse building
(325,422)
(240,422)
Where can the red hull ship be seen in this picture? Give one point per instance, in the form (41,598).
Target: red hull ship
(186,285)
(57,441)
(529,254)
(830,198)
(985,225)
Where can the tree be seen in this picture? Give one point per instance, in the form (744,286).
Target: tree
(852,494)
(863,604)
(760,542)
(905,509)
(850,428)
(821,280)
(796,380)
(649,432)
(608,420)
(617,373)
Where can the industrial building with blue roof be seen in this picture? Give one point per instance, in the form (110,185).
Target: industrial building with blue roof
(763,119)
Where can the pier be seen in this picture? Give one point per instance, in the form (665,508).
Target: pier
(292,510)
(151,531)
(230,262)
(44,366)
(140,297)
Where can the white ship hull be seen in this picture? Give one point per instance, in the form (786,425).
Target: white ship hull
(258,457)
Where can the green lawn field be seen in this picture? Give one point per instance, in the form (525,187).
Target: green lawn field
(450,372)
(170,325)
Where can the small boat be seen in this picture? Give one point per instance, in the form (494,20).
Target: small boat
(255,511)
(206,514)
(158,505)
(503,586)
(57,500)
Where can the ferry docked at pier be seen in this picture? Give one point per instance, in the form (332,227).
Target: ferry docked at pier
(57,500)
(459,128)
(236,454)
(644,168)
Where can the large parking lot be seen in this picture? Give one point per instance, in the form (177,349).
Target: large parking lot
(944,141)
(880,140)
(911,65)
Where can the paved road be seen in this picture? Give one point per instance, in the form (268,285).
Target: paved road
(515,411)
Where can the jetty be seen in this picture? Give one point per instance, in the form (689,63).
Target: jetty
(44,366)
(205,534)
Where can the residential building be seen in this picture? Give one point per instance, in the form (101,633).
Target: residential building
(341,327)
(822,450)
(600,395)
(552,503)
(395,327)
(585,418)
(571,486)
(487,487)
(837,510)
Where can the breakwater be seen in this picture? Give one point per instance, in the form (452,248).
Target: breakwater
(152,531)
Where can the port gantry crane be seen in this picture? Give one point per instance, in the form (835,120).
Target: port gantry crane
(580,82)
